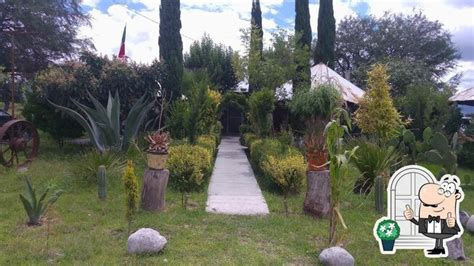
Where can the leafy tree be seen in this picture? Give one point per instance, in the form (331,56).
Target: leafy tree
(377,114)
(414,48)
(215,59)
(171,46)
(324,52)
(256,45)
(46,31)
(303,43)
(429,107)
(279,64)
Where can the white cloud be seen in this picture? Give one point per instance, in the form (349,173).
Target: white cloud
(90,3)
(222,20)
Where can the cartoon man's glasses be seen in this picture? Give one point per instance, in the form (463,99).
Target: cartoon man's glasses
(447,188)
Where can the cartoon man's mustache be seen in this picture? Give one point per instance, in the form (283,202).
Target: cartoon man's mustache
(430,205)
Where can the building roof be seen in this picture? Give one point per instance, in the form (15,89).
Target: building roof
(320,74)
(463,96)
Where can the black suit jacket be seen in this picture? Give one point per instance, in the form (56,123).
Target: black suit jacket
(444,226)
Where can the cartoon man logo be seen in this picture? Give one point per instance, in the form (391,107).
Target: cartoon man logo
(438,215)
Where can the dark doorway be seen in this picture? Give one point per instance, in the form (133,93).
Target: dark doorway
(231,119)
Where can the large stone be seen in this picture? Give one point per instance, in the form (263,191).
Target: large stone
(336,256)
(463,218)
(470,224)
(146,240)
(456,249)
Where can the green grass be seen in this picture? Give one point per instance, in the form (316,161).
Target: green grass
(84,230)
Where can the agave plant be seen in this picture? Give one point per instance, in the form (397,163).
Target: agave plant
(35,208)
(158,142)
(102,124)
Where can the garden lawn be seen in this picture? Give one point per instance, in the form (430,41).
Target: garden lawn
(84,230)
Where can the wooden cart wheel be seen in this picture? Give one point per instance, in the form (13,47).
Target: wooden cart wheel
(19,143)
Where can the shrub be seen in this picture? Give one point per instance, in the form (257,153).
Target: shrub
(248,139)
(35,206)
(188,166)
(87,165)
(261,150)
(287,172)
(244,128)
(261,105)
(45,117)
(208,142)
(131,193)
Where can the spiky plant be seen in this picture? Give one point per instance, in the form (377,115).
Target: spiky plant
(103,124)
(36,208)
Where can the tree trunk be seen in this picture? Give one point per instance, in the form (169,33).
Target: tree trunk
(154,188)
(318,200)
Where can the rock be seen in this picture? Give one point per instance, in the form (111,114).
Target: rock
(456,249)
(336,256)
(146,240)
(470,224)
(463,218)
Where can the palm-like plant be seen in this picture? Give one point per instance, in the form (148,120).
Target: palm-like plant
(102,124)
(373,159)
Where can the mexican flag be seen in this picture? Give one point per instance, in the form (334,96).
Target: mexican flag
(121,54)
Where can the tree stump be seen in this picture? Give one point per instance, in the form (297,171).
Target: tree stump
(154,188)
(318,194)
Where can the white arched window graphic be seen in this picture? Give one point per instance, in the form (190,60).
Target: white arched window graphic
(403,190)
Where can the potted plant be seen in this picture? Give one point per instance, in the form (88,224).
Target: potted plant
(157,152)
(315,107)
(387,231)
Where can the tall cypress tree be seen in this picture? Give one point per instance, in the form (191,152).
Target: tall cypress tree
(326,34)
(256,45)
(171,46)
(303,44)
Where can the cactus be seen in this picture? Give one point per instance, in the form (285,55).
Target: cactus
(102,183)
(450,162)
(427,135)
(440,143)
(408,136)
(455,145)
(379,194)
(433,156)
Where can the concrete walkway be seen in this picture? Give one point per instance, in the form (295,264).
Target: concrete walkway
(233,188)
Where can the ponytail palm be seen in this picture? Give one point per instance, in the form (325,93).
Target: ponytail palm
(102,124)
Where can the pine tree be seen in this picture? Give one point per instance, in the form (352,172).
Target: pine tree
(303,44)
(171,46)
(256,45)
(326,34)
(377,114)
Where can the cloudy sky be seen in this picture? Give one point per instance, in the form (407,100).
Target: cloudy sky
(222,20)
